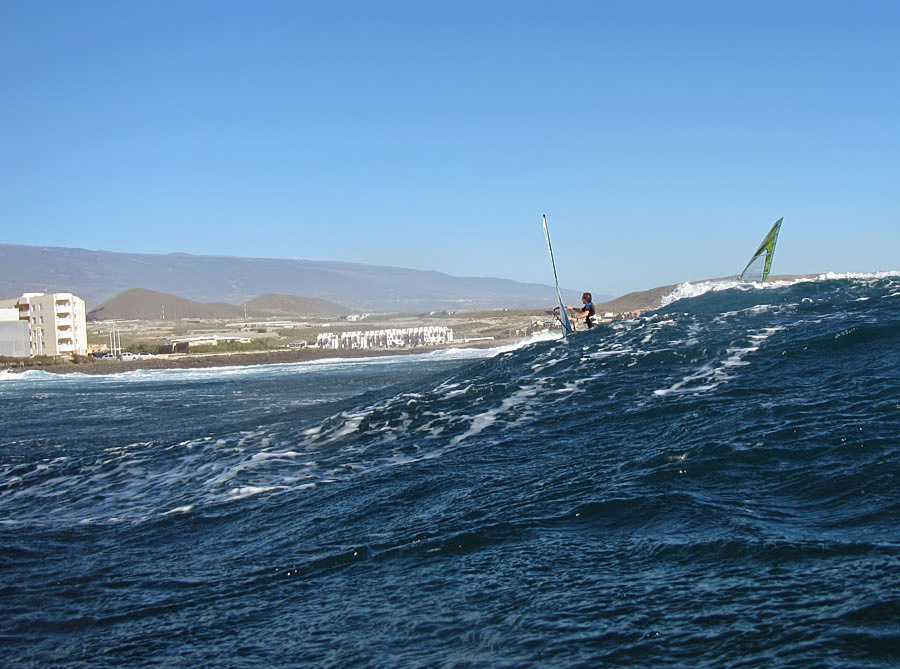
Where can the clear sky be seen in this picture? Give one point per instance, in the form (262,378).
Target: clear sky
(662,139)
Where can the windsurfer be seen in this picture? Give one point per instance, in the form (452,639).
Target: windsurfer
(586,311)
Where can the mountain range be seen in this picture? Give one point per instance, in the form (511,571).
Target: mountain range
(143,304)
(97,276)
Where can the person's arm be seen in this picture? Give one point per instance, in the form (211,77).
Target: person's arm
(581,314)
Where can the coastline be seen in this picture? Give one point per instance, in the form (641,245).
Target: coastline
(238,359)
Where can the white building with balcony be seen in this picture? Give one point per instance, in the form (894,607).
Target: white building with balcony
(57,323)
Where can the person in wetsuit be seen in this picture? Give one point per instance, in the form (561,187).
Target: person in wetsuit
(586,311)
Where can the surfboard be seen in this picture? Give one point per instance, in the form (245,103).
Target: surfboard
(563,314)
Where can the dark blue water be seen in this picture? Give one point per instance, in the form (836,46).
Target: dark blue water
(713,484)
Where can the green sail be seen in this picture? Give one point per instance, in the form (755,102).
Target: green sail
(761,263)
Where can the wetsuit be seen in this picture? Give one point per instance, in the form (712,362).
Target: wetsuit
(589,307)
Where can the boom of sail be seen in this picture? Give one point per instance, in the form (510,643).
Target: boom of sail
(761,263)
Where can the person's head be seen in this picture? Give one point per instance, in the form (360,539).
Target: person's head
(586,298)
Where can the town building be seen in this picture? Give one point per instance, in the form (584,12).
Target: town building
(184,344)
(432,335)
(56,323)
(14,342)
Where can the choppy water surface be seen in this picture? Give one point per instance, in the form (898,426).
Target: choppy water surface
(712,484)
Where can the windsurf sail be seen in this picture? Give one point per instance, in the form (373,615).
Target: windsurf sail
(563,314)
(761,263)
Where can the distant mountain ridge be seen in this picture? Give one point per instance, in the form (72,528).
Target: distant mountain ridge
(150,305)
(97,276)
(147,305)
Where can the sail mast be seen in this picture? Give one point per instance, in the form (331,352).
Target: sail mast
(563,314)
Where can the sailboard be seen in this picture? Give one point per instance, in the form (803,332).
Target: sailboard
(761,263)
(563,314)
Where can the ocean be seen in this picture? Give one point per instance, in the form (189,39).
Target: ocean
(711,484)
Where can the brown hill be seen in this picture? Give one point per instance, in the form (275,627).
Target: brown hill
(642,300)
(150,305)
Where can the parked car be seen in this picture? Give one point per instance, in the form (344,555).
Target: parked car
(126,355)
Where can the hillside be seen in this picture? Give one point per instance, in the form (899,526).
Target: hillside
(142,304)
(642,300)
(273,304)
(151,305)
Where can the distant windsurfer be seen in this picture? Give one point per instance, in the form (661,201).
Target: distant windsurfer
(586,311)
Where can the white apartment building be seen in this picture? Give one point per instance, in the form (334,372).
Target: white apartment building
(57,323)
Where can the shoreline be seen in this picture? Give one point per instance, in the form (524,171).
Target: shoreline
(237,359)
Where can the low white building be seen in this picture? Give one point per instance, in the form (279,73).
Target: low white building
(431,335)
(57,323)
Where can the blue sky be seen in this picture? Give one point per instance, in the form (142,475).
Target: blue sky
(662,139)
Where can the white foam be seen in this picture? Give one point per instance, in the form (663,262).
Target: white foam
(28,375)
(269,455)
(454,389)
(858,275)
(442,419)
(349,426)
(709,376)
(689,290)
(487,418)
(249,490)
(180,509)
(688,384)
(569,387)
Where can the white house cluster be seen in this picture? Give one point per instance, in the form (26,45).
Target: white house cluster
(432,335)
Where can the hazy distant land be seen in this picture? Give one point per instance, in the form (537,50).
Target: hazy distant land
(98,276)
